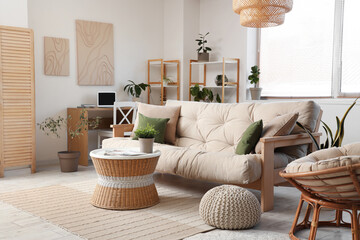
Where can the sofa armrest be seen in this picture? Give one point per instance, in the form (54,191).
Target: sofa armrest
(120,129)
(290,140)
(268,175)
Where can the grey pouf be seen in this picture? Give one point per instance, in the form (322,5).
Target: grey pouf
(230,207)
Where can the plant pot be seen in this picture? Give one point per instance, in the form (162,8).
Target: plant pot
(146,145)
(136,99)
(203,57)
(218,80)
(255,93)
(69,161)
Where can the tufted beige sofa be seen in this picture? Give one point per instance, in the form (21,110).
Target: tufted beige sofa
(207,136)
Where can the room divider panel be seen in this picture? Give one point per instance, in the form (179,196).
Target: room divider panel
(17,98)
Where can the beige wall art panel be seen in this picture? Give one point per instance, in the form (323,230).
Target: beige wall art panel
(95,53)
(56,56)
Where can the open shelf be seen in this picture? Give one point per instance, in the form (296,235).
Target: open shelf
(159,83)
(225,85)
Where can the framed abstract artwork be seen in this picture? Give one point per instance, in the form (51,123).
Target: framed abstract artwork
(95,53)
(56,56)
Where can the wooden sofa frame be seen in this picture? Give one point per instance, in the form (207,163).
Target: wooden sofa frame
(269,176)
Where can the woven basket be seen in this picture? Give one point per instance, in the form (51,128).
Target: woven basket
(230,207)
(133,195)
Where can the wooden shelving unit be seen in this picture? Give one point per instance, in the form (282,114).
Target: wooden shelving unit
(163,70)
(225,85)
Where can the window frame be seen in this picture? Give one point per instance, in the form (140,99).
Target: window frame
(336,76)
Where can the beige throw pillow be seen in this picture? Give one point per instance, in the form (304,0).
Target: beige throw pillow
(154,111)
(279,126)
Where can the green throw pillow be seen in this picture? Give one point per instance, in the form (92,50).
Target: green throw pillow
(159,125)
(250,138)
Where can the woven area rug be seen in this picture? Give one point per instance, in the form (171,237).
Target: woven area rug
(68,206)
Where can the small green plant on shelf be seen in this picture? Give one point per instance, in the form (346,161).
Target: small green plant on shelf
(167,81)
(52,125)
(134,89)
(254,76)
(146,132)
(205,94)
(332,140)
(201,43)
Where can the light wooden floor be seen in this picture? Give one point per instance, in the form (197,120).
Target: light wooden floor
(16,224)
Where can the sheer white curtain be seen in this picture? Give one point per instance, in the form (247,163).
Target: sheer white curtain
(296,57)
(350,77)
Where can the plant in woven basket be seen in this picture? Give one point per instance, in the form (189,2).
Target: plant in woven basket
(205,94)
(52,126)
(332,140)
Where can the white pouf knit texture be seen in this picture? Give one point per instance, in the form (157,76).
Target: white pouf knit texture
(230,207)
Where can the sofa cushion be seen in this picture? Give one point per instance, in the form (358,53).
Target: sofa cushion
(279,126)
(308,115)
(210,166)
(159,124)
(153,111)
(250,138)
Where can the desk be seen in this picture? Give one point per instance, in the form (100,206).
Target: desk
(80,143)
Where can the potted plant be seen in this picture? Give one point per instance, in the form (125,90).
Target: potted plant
(219,79)
(205,94)
(51,126)
(146,137)
(254,79)
(203,55)
(167,81)
(135,90)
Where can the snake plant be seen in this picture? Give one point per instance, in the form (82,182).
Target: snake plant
(332,140)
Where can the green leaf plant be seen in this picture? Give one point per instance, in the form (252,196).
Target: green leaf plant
(146,132)
(134,89)
(201,41)
(205,94)
(52,125)
(254,77)
(332,140)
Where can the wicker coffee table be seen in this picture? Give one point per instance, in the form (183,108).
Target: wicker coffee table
(124,182)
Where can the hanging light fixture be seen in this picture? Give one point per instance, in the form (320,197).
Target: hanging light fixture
(262,13)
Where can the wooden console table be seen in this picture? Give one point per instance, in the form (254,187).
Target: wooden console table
(81,143)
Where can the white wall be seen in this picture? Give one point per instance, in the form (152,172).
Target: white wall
(227,38)
(337,107)
(138,36)
(14,13)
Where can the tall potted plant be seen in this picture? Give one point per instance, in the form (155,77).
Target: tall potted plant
(135,90)
(203,55)
(51,126)
(254,79)
(146,137)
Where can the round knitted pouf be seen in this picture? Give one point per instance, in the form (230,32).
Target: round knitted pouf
(230,207)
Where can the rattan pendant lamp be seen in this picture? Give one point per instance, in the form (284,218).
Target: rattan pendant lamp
(262,13)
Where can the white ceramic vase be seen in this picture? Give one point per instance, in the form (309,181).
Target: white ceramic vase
(146,145)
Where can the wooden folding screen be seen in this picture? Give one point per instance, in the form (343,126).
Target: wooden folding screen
(17,98)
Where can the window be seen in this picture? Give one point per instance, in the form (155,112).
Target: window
(296,58)
(350,73)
